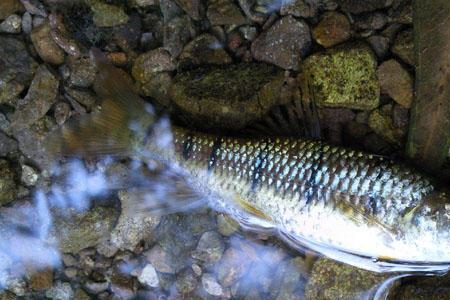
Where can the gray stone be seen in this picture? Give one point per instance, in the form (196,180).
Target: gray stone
(27,23)
(160,259)
(106,15)
(39,99)
(203,50)
(8,188)
(7,144)
(148,276)
(61,112)
(289,275)
(299,8)
(211,286)
(29,175)
(224,12)
(12,24)
(96,287)
(404,46)
(84,97)
(284,43)
(210,247)
(177,32)
(379,44)
(82,72)
(60,291)
(46,47)
(34,7)
(396,82)
(344,76)
(194,8)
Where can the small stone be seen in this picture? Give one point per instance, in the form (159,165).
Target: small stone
(7,144)
(148,276)
(38,101)
(122,285)
(283,43)
(60,291)
(61,112)
(106,15)
(177,32)
(85,98)
(27,23)
(147,64)
(404,46)
(158,257)
(358,6)
(344,76)
(224,12)
(333,29)
(29,176)
(197,269)
(82,72)
(12,24)
(210,247)
(299,8)
(210,285)
(46,47)
(42,280)
(80,294)
(194,8)
(61,35)
(379,44)
(96,287)
(107,249)
(226,225)
(289,275)
(9,7)
(383,125)
(38,21)
(71,273)
(34,7)
(186,282)
(249,32)
(8,188)
(400,116)
(234,265)
(69,260)
(204,49)
(396,82)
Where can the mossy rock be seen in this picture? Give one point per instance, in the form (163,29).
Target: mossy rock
(8,188)
(344,77)
(230,96)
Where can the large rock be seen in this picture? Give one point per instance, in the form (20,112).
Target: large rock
(231,96)
(8,188)
(344,77)
(16,68)
(396,82)
(284,43)
(46,47)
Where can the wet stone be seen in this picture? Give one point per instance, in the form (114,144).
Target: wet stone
(69,260)
(9,7)
(404,46)
(29,175)
(150,63)
(159,258)
(204,49)
(34,7)
(12,24)
(106,15)
(71,273)
(380,45)
(122,285)
(333,29)
(344,77)
(289,275)
(224,12)
(210,247)
(82,72)
(383,125)
(96,287)
(233,266)
(299,8)
(177,32)
(396,82)
(42,280)
(148,276)
(84,97)
(46,47)
(357,6)
(226,225)
(186,282)
(60,291)
(194,8)
(61,112)
(210,285)
(7,144)
(80,294)
(39,99)
(283,43)
(8,188)
(27,24)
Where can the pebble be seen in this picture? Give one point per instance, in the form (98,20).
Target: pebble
(34,7)
(211,286)
(186,282)
(396,82)
(380,45)
(333,29)
(177,32)
(358,6)
(71,273)
(42,280)
(60,291)
(84,97)
(106,15)
(96,287)
(9,7)
(203,50)
(403,47)
(158,257)
(283,44)
(69,260)
(29,176)
(210,247)
(194,8)
(46,47)
(7,144)
(8,188)
(27,23)
(224,12)
(61,112)
(12,24)
(299,8)
(82,72)
(148,276)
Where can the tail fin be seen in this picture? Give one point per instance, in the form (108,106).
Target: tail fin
(116,128)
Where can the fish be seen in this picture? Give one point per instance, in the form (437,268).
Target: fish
(358,208)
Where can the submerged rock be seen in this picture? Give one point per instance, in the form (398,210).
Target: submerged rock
(194,8)
(210,285)
(231,96)
(383,125)
(358,6)
(396,82)
(148,276)
(177,32)
(60,291)
(9,7)
(203,50)
(12,24)
(404,46)
(8,188)
(300,8)
(7,144)
(46,47)
(333,28)
(344,77)
(210,247)
(283,43)
(106,15)
(224,12)
(82,72)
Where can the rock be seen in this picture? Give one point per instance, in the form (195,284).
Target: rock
(289,275)
(106,15)
(299,8)
(333,29)
(379,44)
(46,47)
(420,288)
(144,3)
(7,144)
(83,230)
(62,36)
(9,7)
(404,46)
(149,277)
(203,50)
(211,286)
(234,264)
(29,175)
(81,295)
(383,125)
(370,22)
(83,97)
(231,96)
(331,280)
(224,12)
(71,273)
(396,82)
(34,7)
(210,247)
(283,43)
(177,32)
(12,24)
(8,188)
(344,77)
(82,72)
(42,280)
(17,68)
(149,63)
(194,8)
(122,285)
(38,21)
(60,291)
(132,226)
(159,258)
(226,225)
(27,23)
(186,282)
(400,116)
(96,287)
(61,112)
(170,9)
(39,99)
(357,6)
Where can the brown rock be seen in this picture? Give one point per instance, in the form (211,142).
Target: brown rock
(9,7)
(224,12)
(333,29)
(404,46)
(42,280)
(396,82)
(46,47)
(299,8)
(283,43)
(194,8)
(204,49)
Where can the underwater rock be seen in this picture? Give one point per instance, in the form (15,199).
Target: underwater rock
(107,15)
(84,97)
(299,8)
(46,47)
(38,101)
(42,280)
(203,50)
(383,125)
(148,276)
(344,77)
(396,82)
(228,97)
(289,275)
(177,32)
(12,24)
(29,176)
(60,291)
(9,7)
(82,72)
(160,259)
(83,230)
(358,6)
(404,46)
(210,247)
(226,225)
(61,112)
(211,286)
(283,43)
(380,45)
(194,8)
(224,12)
(8,188)
(331,280)
(7,144)
(233,265)
(422,288)
(186,282)
(17,69)
(333,28)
